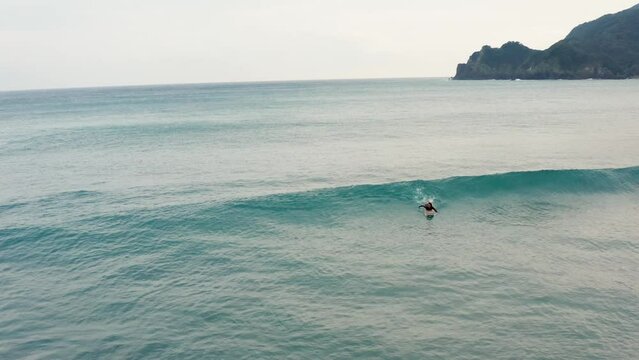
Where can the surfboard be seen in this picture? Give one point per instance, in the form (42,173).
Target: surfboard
(429,214)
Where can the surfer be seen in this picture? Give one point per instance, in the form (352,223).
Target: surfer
(429,209)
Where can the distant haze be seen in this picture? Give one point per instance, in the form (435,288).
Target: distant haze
(73,43)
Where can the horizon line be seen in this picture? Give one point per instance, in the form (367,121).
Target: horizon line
(87,87)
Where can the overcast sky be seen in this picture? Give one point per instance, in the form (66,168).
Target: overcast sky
(71,43)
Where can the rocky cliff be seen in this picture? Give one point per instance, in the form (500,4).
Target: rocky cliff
(606,48)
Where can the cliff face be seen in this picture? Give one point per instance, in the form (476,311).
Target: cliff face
(607,48)
(496,63)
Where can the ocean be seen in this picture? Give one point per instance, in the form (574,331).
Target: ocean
(280,220)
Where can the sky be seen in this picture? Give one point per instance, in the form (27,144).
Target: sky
(81,43)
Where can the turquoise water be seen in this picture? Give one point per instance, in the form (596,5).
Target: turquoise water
(280,220)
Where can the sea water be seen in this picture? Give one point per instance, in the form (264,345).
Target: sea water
(280,220)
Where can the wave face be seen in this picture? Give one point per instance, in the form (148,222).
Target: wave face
(521,198)
(534,185)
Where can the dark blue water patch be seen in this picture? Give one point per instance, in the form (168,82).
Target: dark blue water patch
(11,238)
(78,243)
(70,198)
(5,208)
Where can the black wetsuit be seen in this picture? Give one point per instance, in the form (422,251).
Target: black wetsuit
(428,207)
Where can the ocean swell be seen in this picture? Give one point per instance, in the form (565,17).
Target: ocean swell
(527,183)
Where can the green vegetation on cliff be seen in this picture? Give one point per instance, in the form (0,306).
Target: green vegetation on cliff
(607,48)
